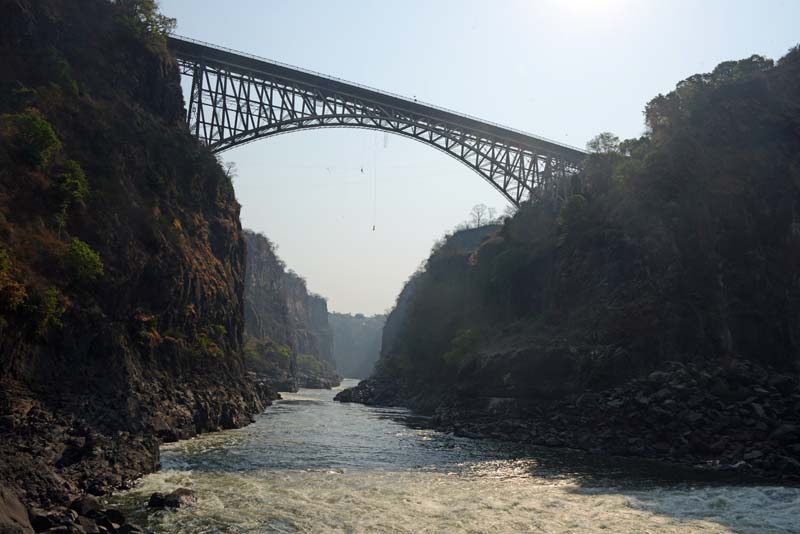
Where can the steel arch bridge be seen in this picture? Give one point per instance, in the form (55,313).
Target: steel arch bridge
(237,98)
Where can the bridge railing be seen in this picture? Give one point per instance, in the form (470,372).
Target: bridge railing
(373,89)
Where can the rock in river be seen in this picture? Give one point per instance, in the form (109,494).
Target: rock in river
(177,499)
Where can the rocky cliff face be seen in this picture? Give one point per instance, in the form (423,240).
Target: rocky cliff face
(308,315)
(289,340)
(462,243)
(356,342)
(121,255)
(266,309)
(664,291)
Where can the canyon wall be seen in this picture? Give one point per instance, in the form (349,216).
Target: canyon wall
(288,339)
(121,255)
(661,300)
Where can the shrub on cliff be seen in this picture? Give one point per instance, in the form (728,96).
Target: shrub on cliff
(462,348)
(209,346)
(72,183)
(73,187)
(5,261)
(12,293)
(84,263)
(308,363)
(144,19)
(30,137)
(47,307)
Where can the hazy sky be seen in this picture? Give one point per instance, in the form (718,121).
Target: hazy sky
(559,69)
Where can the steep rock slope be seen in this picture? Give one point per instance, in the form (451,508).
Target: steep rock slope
(288,338)
(661,301)
(121,255)
(463,244)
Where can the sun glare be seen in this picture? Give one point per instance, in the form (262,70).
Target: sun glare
(591,8)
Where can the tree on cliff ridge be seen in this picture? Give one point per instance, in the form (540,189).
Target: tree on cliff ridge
(603,143)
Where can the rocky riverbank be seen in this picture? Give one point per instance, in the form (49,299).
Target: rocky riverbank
(51,458)
(315,381)
(83,515)
(729,415)
(121,261)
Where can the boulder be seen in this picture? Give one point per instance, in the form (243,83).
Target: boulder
(177,499)
(13,516)
(156,500)
(87,506)
(88,525)
(658,377)
(114,515)
(130,528)
(41,520)
(783,383)
(786,433)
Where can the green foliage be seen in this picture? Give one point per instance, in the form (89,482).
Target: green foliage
(22,93)
(219,330)
(47,307)
(73,187)
(54,66)
(284,351)
(30,137)
(72,183)
(12,293)
(267,353)
(84,263)
(574,211)
(393,366)
(686,104)
(5,261)
(175,333)
(145,20)
(462,348)
(309,363)
(209,346)
(603,143)
(251,353)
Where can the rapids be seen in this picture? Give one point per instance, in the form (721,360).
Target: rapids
(311,465)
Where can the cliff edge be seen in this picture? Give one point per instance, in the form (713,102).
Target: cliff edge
(121,255)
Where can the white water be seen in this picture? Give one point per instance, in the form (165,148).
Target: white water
(311,465)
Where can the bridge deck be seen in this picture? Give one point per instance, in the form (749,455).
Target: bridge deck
(211,55)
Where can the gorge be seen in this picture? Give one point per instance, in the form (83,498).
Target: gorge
(357,342)
(653,314)
(619,353)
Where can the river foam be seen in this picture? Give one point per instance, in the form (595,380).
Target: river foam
(310,465)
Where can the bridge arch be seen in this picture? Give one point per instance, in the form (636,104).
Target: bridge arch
(506,188)
(237,99)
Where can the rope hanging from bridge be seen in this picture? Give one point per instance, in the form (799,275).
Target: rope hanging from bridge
(374,182)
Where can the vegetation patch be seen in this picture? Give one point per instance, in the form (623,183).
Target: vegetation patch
(30,137)
(463,348)
(83,262)
(209,346)
(308,363)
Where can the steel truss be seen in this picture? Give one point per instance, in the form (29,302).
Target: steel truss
(236,99)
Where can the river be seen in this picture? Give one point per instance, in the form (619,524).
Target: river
(309,464)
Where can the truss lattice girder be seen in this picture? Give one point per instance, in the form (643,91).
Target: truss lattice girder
(232,105)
